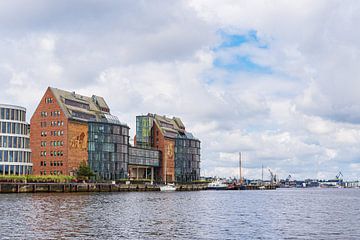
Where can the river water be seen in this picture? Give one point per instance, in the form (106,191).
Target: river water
(274,214)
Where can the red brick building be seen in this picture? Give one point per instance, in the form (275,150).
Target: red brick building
(59,131)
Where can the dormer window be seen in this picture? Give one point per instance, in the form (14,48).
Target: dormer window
(105,110)
(77,104)
(83,115)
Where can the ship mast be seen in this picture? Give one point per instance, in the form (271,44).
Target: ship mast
(240,169)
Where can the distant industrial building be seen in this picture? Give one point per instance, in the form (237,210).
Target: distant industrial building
(68,129)
(15,153)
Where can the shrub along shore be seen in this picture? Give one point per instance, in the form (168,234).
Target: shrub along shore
(37,179)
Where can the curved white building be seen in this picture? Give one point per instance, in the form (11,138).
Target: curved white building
(15,152)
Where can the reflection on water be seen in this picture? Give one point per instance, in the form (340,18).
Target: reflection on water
(280,214)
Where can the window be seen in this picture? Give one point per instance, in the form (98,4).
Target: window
(55,113)
(7,113)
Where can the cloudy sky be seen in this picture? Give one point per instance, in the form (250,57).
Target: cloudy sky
(276,80)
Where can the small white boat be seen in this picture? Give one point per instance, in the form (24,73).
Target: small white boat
(217,185)
(170,187)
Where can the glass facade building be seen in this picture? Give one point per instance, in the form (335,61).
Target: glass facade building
(178,148)
(144,126)
(108,149)
(187,158)
(144,163)
(15,153)
(145,157)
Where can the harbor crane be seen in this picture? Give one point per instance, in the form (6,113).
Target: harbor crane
(339,175)
(273,176)
(288,178)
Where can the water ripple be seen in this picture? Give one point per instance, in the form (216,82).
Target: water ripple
(280,214)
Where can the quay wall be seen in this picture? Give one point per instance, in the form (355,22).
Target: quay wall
(88,187)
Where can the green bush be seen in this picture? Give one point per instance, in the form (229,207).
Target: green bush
(84,172)
(37,179)
(12,178)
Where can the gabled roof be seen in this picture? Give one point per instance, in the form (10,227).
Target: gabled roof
(83,108)
(171,127)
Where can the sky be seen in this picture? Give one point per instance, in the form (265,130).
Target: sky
(276,80)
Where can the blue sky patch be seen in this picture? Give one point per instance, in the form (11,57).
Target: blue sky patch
(235,40)
(242,63)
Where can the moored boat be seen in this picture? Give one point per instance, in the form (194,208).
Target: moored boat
(170,187)
(217,185)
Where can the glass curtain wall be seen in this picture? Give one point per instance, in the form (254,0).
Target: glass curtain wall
(108,150)
(143,131)
(15,154)
(144,157)
(187,159)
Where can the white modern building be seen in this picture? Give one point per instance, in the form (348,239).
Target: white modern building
(15,153)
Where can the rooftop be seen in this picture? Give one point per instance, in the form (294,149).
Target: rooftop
(12,107)
(171,127)
(84,108)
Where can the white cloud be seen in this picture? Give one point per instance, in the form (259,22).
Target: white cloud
(301,118)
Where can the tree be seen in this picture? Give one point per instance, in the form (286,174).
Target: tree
(84,172)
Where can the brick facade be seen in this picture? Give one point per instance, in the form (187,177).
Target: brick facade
(77,145)
(48,137)
(58,145)
(167,148)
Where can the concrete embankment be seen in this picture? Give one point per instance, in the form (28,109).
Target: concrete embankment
(88,187)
